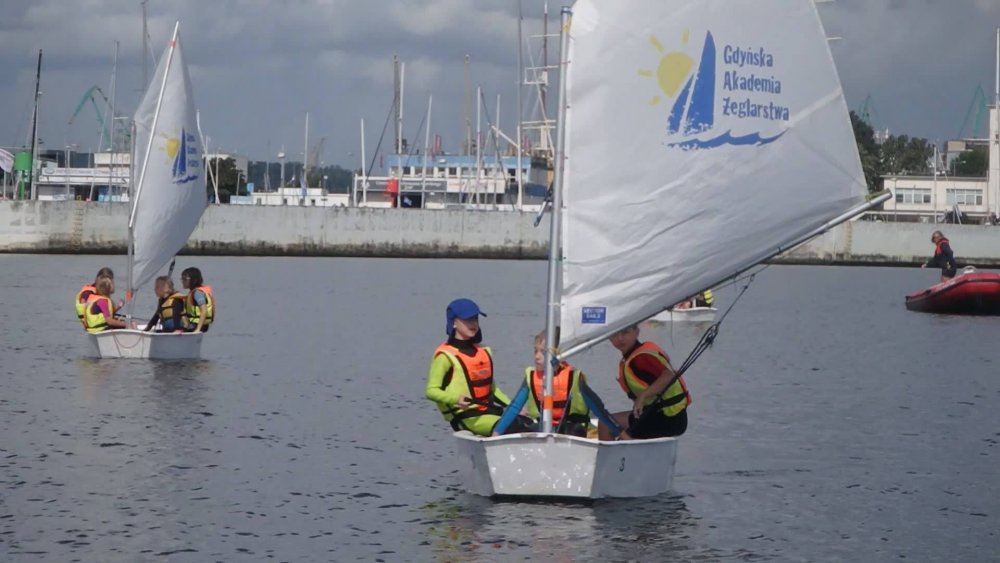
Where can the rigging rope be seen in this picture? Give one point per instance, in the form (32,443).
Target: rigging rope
(708,338)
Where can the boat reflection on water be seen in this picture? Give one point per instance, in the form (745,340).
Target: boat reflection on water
(473,528)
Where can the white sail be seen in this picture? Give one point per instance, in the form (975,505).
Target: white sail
(696,145)
(170,195)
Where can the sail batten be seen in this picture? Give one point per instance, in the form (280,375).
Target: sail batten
(734,143)
(170,197)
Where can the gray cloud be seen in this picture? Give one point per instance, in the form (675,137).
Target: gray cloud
(259,66)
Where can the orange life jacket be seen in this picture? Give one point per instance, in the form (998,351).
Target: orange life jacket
(478,373)
(937,246)
(561,382)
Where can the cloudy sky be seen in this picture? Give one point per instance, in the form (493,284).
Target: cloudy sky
(259,65)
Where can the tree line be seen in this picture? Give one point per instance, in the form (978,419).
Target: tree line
(232,181)
(904,155)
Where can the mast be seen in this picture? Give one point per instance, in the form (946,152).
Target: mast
(479,140)
(427,140)
(145,162)
(555,225)
(544,86)
(396,98)
(364,169)
(145,48)
(111,133)
(32,188)
(467,103)
(399,123)
(304,180)
(934,189)
(520,108)
(995,138)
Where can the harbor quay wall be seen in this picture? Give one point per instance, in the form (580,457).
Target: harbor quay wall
(73,227)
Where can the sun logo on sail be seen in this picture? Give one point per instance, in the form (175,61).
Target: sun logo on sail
(671,71)
(178,148)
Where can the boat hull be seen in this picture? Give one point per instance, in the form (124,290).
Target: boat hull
(554,465)
(692,315)
(976,293)
(145,345)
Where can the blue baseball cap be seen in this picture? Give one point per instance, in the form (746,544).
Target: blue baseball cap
(460,309)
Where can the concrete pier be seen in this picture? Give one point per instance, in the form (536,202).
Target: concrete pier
(72,227)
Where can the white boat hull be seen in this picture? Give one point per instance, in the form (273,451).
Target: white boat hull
(692,315)
(554,465)
(145,345)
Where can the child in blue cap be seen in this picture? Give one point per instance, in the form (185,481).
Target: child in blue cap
(460,378)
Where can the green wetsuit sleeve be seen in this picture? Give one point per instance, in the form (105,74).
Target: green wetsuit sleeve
(440,366)
(500,396)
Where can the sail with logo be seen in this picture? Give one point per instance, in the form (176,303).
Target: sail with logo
(169,199)
(733,123)
(739,144)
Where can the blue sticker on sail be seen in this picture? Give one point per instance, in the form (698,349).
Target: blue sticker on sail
(749,93)
(594,315)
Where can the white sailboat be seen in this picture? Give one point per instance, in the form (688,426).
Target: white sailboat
(701,315)
(732,118)
(169,199)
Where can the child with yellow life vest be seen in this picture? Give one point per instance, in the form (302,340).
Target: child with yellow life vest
(171,313)
(460,377)
(659,398)
(89,289)
(99,311)
(199,303)
(573,402)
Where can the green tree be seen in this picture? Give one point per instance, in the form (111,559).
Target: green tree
(971,163)
(868,150)
(228,178)
(902,155)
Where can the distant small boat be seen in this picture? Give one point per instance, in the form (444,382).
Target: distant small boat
(690,315)
(969,293)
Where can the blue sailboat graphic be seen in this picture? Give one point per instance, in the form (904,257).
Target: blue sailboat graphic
(694,109)
(180,160)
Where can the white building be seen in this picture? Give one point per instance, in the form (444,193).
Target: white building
(919,198)
(313,197)
(937,198)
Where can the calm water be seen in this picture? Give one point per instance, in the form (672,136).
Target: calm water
(828,424)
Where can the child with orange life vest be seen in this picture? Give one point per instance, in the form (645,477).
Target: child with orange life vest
(460,378)
(573,401)
(660,399)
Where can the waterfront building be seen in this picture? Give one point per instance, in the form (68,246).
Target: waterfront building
(447,181)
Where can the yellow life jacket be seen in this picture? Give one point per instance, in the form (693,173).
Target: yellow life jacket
(707,297)
(81,301)
(166,310)
(94,319)
(566,395)
(672,400)
(194,311)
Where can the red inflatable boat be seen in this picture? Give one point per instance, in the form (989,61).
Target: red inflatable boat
(969,293)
